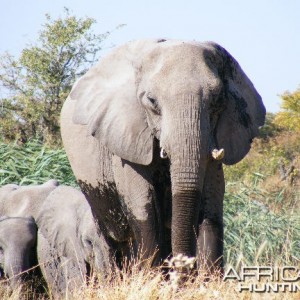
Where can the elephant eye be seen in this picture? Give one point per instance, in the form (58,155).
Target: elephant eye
(152,100)
(152,103)
(89,243)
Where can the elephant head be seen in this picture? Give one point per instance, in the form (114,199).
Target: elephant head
(17,246)
(193,98)
(67,227)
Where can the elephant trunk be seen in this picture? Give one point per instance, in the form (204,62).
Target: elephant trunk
(15,266)
(102,259)
(189,154)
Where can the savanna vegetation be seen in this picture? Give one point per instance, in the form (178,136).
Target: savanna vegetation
(262,220)
(262,200)
(35,85)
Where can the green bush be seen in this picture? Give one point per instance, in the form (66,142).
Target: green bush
(33,163)
(265,158)
(270,129)
(256,235)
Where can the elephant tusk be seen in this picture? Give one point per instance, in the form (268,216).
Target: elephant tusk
(163,153)
(218,154)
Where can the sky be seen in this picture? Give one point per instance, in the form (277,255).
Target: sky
(263,35)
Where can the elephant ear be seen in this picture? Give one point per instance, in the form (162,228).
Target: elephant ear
(51,221)
(244,111)
(53,230)
(106,101)
(58,224)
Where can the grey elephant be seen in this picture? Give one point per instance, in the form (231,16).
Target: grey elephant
(147,130)
(18,237)
(69,243)
(19,206)
(24,201)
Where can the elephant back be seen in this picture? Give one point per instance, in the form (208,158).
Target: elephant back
(24,201)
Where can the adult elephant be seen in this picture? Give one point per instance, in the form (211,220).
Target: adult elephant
(146,131)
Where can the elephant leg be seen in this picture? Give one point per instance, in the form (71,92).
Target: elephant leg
(135,186)
(210,230)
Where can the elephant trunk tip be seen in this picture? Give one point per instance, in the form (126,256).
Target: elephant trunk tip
(218,154)
(181,261)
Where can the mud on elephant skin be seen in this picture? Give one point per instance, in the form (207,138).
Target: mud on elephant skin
(153,122)
(18,240)
(70,246)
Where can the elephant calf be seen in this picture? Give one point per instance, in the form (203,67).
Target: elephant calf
(24,201)
(18,237)
(69,244)
(19,206)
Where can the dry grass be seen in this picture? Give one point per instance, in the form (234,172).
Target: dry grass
(140,282)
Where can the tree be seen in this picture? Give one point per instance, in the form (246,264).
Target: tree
(289,118)
(270,129)
(34,86)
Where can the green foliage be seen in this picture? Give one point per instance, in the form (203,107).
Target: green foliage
(270,129)
(265,156)
(261,208)
(33,163)
(256,235)
(289,118)
(36,84)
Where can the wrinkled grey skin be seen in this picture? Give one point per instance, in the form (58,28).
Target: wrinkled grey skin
(185,97)
(24,201)
(21,205)
(17,247)
(69,244)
